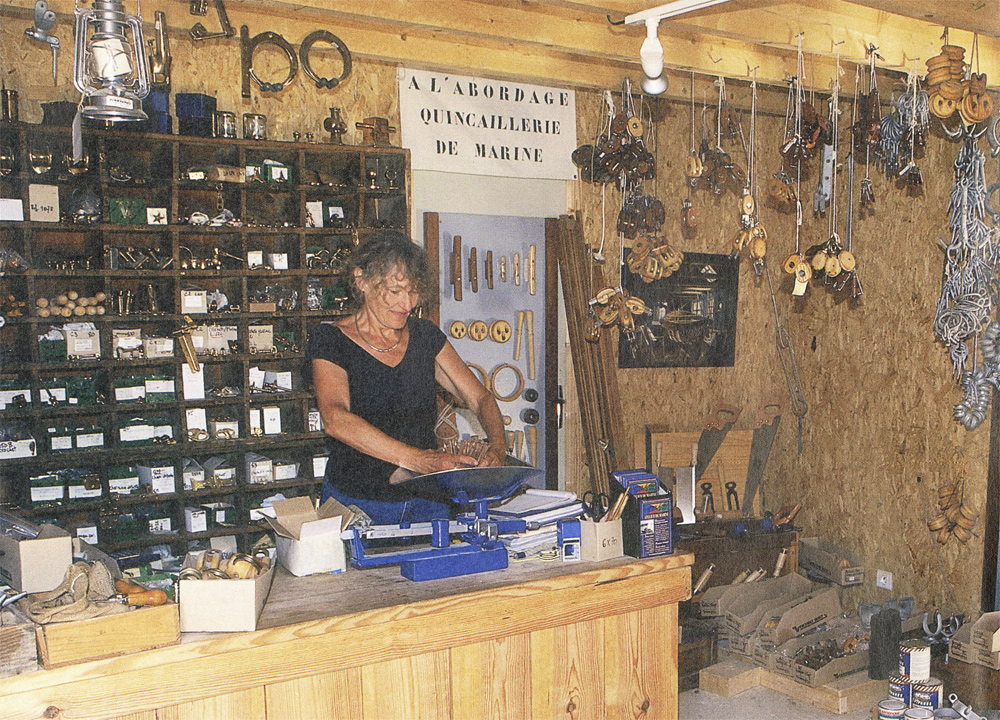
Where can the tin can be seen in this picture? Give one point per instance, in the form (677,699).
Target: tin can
(918,714)
(891,709)
(900,689)
(914,660)
(927,693)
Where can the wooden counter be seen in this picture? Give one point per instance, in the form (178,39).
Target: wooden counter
(538,640)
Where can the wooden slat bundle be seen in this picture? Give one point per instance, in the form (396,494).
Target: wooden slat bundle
(594,364)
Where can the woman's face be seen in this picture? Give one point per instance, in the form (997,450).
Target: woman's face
(391,299)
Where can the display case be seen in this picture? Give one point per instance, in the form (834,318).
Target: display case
(110,266)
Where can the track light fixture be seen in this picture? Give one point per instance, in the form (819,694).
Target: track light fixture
(651,55)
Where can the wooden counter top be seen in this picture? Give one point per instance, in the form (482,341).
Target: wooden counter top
(336,623)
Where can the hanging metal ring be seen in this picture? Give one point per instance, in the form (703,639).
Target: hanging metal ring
(338,45)
(249,46)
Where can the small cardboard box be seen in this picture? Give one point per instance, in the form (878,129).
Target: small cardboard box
(222,605)
(65,643)
(36,565)
(988,659)
(830,562)
(783,656)
(600,540)
(800,616)
(833,670)
(986,632)
(960,646)
(748,611)
(648,525)
(160,478)
(308,540)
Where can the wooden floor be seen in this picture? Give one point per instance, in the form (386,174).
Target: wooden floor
(540,640)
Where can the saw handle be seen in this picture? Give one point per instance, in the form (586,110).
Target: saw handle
(147,598)
(127,586)
(724,415)
(769,412)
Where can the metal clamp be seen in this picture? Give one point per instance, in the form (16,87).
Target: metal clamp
(247,47)
(338,45)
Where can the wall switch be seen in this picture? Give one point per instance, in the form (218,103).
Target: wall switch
(883,579)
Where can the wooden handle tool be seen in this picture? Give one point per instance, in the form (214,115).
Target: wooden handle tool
(149,598)
(456,267)
(532,257)
(520,332)
(127,586)
(473,270)
(532,433)
(518,443)
(516,268)
(531,344)
(488,269)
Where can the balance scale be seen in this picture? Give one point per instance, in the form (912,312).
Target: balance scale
(480,548)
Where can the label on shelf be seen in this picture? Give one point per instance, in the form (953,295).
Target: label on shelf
(90,439)
(82,492)
(87,533)
(12,449)
(43,203)
(194,301)
(123,485)
(272,419)
(136,433)
(260,338)
(195,519)
(130,394)
(160,478)
(159,526)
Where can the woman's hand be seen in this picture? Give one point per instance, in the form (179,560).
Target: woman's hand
(494,457)
(430,461)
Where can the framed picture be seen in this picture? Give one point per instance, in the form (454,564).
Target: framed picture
(691,320)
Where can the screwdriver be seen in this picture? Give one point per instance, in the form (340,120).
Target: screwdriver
(132,593)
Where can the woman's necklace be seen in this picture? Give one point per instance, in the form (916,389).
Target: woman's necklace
(376,348)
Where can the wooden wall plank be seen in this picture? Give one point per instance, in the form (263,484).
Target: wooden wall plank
(502,690)
(567,668)
(243,705)
(414,687)
(327,696)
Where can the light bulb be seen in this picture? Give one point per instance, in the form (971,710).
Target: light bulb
(654,86)
(651,52)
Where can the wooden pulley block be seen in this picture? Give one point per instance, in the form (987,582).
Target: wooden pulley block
(478,330)
(803,272)
(833,267)
(747,204)
(941,107)
(939,522)
(694,167)
(818,261)
(618,124)
(790,263)
(634,127)
(457,329)
(635,305)
(938,75)
(740,240)
(758,248)
(688,216)
(938,61)
(593,334)
(655,214)
(951,90)
(943,535)
(608,314)
(651,269)
(954,52)
(977,83)
(847,260)
(781,191)
(604,296)
(975,108)
(962,534)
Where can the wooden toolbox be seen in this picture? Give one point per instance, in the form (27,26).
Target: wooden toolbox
(109,636)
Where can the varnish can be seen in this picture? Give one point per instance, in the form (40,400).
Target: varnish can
(927,694)
(891,709)
(918,713)
(900,689)
(914,660)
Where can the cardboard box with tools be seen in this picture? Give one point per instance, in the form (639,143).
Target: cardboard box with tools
(759,600)
(230,605)
(986,632)
(960,645)
(830,562)
(719,600)
(799,616)
(308,540)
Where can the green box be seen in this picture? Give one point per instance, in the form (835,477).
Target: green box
(160,388)
(127,211)
(52,350)
(124,480)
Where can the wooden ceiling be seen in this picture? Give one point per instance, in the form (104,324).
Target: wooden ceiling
(572,42)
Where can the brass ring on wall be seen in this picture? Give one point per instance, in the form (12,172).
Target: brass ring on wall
(248,45)
(338,45)
(517,391)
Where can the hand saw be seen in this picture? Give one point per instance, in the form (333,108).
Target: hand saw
(764,429)
(712,435)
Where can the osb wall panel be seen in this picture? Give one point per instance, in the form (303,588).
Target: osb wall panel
(879,436)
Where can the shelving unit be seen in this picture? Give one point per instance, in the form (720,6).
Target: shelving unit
(365,188)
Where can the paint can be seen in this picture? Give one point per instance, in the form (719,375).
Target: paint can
(900,689)
(927,693)
(914,660)
(891,709)
(946,713)
(918,714)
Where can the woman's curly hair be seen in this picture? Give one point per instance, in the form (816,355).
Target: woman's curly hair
(388,250)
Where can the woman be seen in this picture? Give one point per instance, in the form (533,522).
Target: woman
(375,374)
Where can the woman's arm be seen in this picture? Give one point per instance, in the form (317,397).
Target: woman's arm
(455,377)
(333,399)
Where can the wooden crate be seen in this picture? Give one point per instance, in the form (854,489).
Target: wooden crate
(18,652)
(730,677)
(102,637)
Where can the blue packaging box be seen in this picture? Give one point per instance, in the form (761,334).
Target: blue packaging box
(648,526)
(157,101)
(194,105)
(160,122)
(194,126)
